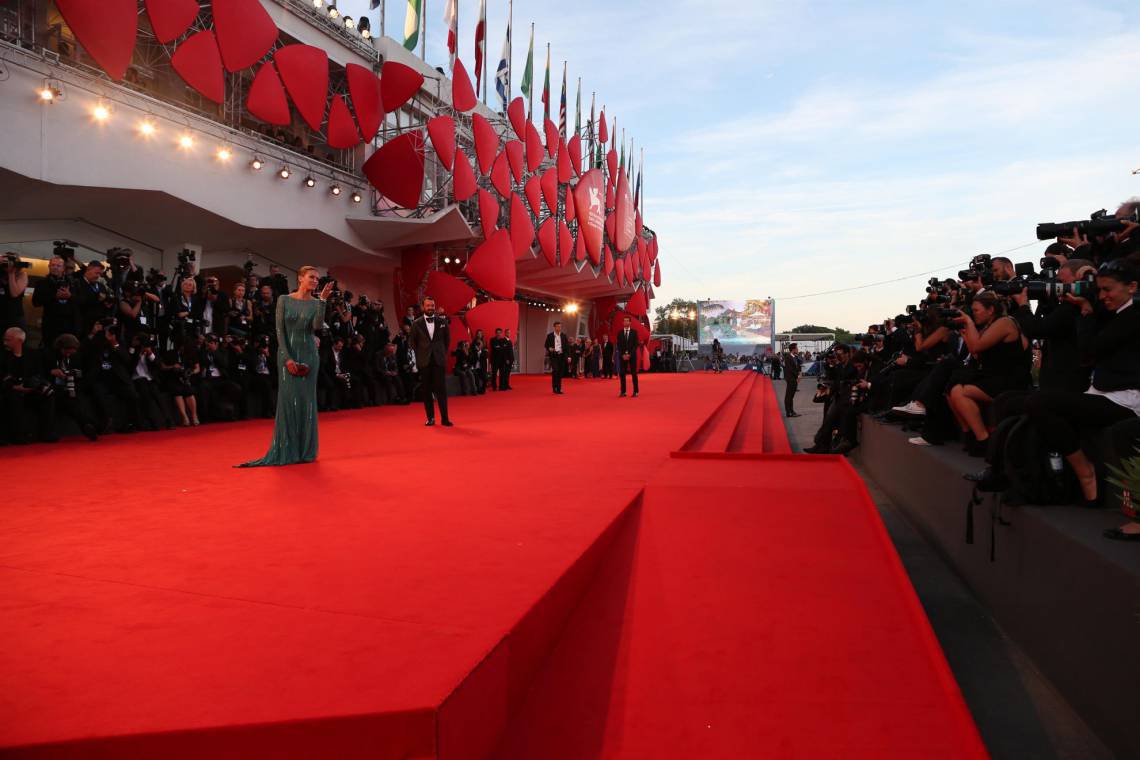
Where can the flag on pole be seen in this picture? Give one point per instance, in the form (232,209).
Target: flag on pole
(546,87)
(527,85)
(480,40)
(412,25)
(591,130)
(451,18)
(503,72)
(621,161)
(562,104)
(637,187)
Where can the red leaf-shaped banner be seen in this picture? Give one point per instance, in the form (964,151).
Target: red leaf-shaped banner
(657,274)
(106,29)
(516,111)
(612,163)
(653,250)
(580,252)
(450,293)
(637,225)
(488,213)
(199,64)
(534,149)
(342,129)
(305,71)
(367,99)
(462,93)
(571,211)
(398,83)
(397,169)
(493,315)
(550,189)
(267,100)
(548,240)
(168,18)
(624,214)
(619,266)
(637,305)
(533,195)
(245,32)
(565,170)
(610,198)
(551,137)
(611,230)
(603,131)
(565,242)
(486,142)
(522,228)
(609,262)
(441,130)
(492,266)
(501,175)
(591,214)
(515,159)
(463,179)
(574,148)
(457,332)
(643,259)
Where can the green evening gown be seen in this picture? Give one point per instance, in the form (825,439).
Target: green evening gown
(295,429)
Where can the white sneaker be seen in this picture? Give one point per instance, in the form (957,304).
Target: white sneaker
(913,408)
(918,440)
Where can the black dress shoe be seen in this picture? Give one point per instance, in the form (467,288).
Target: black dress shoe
(447,423)
(429,423)
(1116,534)
(792,414)
(635,394)
(621,395)
(816,450)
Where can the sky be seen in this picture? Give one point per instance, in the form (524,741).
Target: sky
(793,149)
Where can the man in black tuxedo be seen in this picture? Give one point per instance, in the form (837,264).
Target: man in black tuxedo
(430,340)
(500,360)
(627,344)
(607,357)
(557,349)
(791,379)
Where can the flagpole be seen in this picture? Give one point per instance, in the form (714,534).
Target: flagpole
(485,71)
(530,95)
(383,12)
(510,49)
(423,31)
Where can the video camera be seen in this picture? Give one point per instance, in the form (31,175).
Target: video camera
(11,260)
(119,258)
(185,268)
(65,249)
(1098,224)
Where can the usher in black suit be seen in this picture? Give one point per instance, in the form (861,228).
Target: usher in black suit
(557,359)
(431,362)
(627,343)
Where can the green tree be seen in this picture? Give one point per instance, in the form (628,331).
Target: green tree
(674,318)
(841,335)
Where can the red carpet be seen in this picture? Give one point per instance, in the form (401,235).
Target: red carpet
(398,597)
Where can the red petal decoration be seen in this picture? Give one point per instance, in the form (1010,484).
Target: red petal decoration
(441,130)
(657,275)
(603,132)
(571,213)
(266,98)
(486,142)
(533,195)
(457,331)
(515,158)
(169,18)
(637,225)
(548,239)
(624,214)
(637,305)
(643,259)
(398,84)
(590,211)
(611,230)
(342,129)
(619,265)
(463,178)
(609,262)
(199,64)
(551,137)
(305,71)
(501,175)
(450,293)
(565,170)
(610,202)
(106,30)
(565,242)
(397,169)
(462,93)
(580,249)
(245,32)
(488,213)
(612,163)
(494,314)
(522,228)
(534,149)
(653,250)
(367,100)
(492,266)
(574,148)
(517,113)
(550,189)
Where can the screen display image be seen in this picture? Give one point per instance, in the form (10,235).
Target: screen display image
(736,324)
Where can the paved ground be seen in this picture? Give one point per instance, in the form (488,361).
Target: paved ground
(1018,712)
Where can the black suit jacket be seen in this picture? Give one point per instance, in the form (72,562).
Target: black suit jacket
(628,345)
(607,350)
(791,367)
(565,344)
(430,350)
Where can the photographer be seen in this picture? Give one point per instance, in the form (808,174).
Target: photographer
(176,382)
(389,376)
(219,394)
(145,373)
(93,299)
(462,370)
(13,283)
(1054,325)
(69,388)
(848,388)
(365,391)
(263,378)
(215,304)
(277,282)
(338,380)
(265,313)
(138,306)
(123,270)
(109,366)
(239,314)
(53,295)
(1108,333)
(1101,238)
(23,391)
(185,311)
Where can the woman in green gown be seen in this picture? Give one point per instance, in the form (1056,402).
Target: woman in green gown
(299,315)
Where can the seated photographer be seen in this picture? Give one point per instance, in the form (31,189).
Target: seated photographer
(1054,325)
(1109,333)
(1004,358)
(145,374)
(219,394)
(175,381)
(839,432)
(69,389)
(263,378)
(109,366)
(54,296)
(23,390)
(462,370)
(898,381)
(477,360)
(337,379)
(365,391)
(388,375)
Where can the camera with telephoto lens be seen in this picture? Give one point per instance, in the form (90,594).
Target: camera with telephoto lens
(185,266)
(946,317)
(1098,224)
(12,260)
(119,258)
(65,249)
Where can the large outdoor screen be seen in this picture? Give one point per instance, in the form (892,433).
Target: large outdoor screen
(736,324)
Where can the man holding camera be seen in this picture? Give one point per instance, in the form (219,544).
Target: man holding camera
(23,396)
(13,283)
(93,299)
(53,295)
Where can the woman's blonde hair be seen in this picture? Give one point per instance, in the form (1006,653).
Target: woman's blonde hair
(190,280)
(305,270)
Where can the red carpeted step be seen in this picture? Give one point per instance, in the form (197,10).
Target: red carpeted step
(775,433)
(749,433)
(715,434)
(727,626)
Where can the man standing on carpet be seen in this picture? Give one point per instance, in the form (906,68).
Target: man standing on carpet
(557,349)
(500,348)
(430,340)
(607,357)
(627,345)
(791,379)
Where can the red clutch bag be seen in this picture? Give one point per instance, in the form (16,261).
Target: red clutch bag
(301,369)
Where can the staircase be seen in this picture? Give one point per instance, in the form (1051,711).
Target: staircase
(748,421)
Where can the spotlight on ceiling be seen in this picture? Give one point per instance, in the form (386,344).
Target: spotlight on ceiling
(318,4)
(50,92)
(256,163)
(186,142)
(147,128)
(333,12)
(349,23)
(224,153)
(365,28)
(102,111)
(356,197)
(335,189)
(571,308)
(310,181)
(446,259)
(283,172)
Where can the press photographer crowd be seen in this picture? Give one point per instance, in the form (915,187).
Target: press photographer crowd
(124,348)
(1033,367)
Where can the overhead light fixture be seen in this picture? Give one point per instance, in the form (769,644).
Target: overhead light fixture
(256,164)
(333,12)
(50,91)
(349,23)
(571,308)
(147,128)
(102,111)
(335,189)
(356,197)
(186,142)
(318,4)
(365,27)
(283,172)
(446,259)
(310,181)
(224,153)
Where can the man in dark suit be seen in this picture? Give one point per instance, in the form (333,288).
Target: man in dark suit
(430,340)
(557,349)
(500,360)
(791,379)
(627,345)
(607,357)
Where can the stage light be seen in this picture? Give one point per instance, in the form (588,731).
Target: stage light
(147,128)
(365,28)
(256,163)
(310,182)
(224,153)
(333,12)
(692,315)
(356,197)
(50,91)
(318,4)
(283,172)
(349,23)
(186,142)
(101,112)
(335,189)
(446,259)
(571,308)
